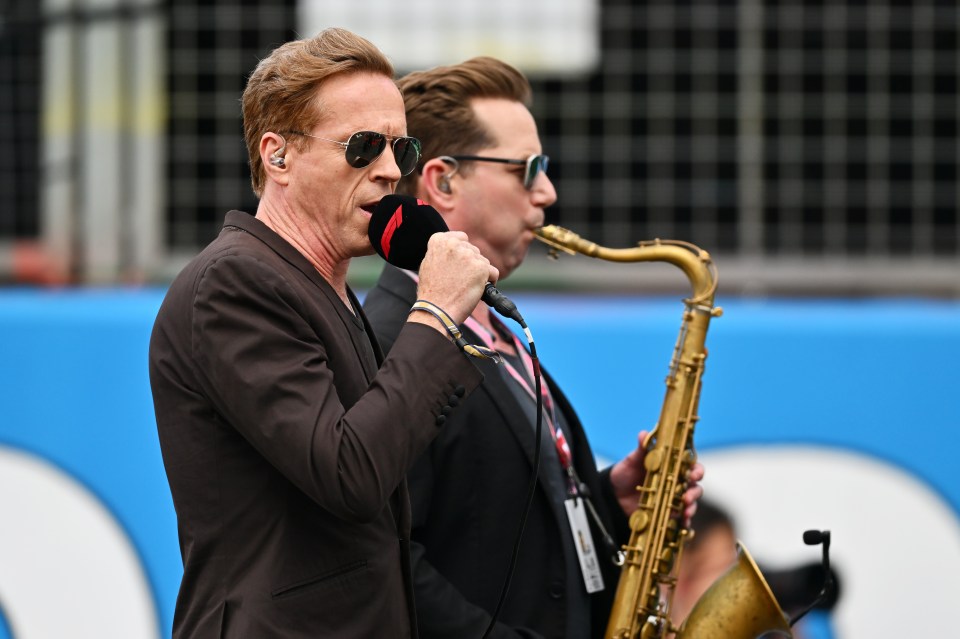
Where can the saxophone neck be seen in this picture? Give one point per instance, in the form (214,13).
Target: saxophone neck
(691,259)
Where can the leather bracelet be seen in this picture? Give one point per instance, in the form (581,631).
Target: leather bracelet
(454,331)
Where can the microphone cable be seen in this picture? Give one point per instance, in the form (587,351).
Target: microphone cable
(532,484)
(400,227)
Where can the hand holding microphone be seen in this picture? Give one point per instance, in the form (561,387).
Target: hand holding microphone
(453,274)
(411,234)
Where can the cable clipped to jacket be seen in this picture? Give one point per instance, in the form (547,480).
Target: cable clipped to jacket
(531,485)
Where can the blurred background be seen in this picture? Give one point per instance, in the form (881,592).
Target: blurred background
(810,147)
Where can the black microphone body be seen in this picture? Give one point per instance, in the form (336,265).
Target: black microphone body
(814,537)
(401,226)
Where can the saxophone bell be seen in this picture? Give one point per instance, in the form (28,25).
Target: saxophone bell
(740,601)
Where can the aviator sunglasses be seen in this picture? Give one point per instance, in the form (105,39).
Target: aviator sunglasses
(363,147)
(534,164)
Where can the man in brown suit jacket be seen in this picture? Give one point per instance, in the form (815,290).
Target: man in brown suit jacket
(285,434)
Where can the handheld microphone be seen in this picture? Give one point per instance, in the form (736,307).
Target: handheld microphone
(401,226)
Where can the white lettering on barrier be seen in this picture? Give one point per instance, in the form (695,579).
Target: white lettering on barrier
(67,568)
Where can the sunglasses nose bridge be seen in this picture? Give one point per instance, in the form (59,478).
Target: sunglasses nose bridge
(395,156)
(366,147)
(392,155)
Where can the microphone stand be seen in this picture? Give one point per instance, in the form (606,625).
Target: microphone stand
(812,538)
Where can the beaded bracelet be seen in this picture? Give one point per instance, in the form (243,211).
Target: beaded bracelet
(454,331)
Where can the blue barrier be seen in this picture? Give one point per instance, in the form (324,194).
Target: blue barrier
(868,376)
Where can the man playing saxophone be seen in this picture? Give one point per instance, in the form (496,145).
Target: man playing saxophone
(484,170)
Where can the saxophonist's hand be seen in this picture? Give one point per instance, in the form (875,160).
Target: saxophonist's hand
(629,473)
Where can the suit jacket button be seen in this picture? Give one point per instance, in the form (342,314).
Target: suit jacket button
(441,419)
(446,410)
(454,400)
(459,391)
(556,590)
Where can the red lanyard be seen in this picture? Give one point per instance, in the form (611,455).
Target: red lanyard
(559,440)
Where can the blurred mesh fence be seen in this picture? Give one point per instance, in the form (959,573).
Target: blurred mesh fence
(19,113)
(809,146)
(213,48)
(766,128)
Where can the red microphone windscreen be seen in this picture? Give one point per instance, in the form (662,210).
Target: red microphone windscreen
(400,227)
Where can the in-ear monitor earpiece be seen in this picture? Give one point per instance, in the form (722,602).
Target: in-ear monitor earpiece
(276,158)
(443,184)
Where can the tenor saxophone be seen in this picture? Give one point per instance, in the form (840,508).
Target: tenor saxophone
(740,604)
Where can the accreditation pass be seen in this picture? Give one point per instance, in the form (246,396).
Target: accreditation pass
(583,540)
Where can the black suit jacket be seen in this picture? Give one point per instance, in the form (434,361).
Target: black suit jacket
(286,448)
(468,492)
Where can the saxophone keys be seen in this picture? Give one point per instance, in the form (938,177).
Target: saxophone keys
(639,520)
(653,460)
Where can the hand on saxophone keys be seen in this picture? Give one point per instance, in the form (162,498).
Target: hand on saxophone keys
(630,472)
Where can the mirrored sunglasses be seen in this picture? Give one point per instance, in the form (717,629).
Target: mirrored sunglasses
(534,165)
(363,147)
